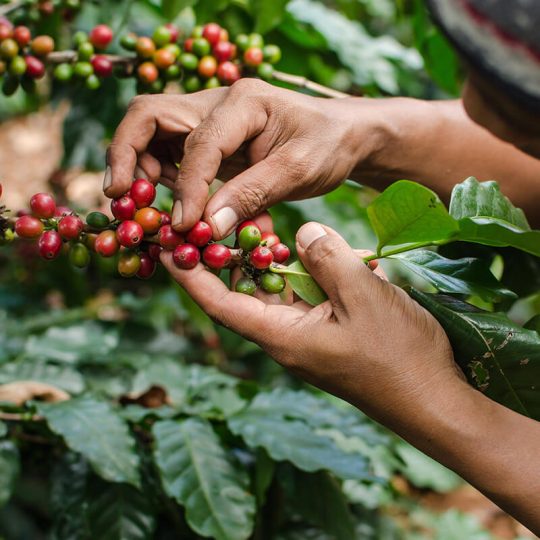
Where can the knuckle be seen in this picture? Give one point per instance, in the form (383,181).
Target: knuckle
(247,86)
(324,250)
(251,198)
(139,103)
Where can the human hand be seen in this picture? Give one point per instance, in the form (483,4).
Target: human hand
(298,147)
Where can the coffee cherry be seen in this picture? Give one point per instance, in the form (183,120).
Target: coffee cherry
(168,238)
(188,44)
(42,45)
(192,84)
(148,72)
(145,47)
(224,51)
(17,66)
(261,258)
(149,219)
(265,71)
(197,31)
(212,82)
(34,68)
(253,56)
(189,61)
(97,220)
(70,227)
(9,49)
(272,283)
(3,67)
(90,241)
(129,264)
(207,67)
(129,233)
(249,237)
(49,245)
(217,256)
(164,58)
(242,41)
(6,32)
(123,208)
(22,35)
(80,37)
(79,255)
(154,251)
(201,47)
(281,253)
(92,82)
(212,33)
(106,244)
(62,211)
(83,70)
(246,223)
(28,227)
(142,192)
(256,40)
(246,285)
(224,35)
(186,256)
(43,205)
(101,36)
(200,234)
(63,72)
(165,218)
(129,41)
(46,8)
(147,268)
(103,67)
(85,51)
(228,73)
(272,54)
(174,32)
(270,239)
(173,72)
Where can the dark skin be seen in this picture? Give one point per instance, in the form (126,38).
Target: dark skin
(369,343)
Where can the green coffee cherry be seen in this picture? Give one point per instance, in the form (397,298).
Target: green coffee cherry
(197,32)
(189,61)
(246,285)
(79,38)
(272,54)
(157,86)
(255,40)
(129,42)
(212,82)
(192,84)
(79,255)
(173,72)
(97,220)
(174,48)
(265,71)
(92,82)
(17,66)
(201,47)
(161,36)
(83,69)
(63,72)
(249,237)
(85,51)
(272,283)
(242,41)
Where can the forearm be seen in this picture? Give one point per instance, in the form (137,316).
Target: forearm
(437,144)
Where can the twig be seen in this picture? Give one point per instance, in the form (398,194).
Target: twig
(23,417)
(60,57)
(8,8)
(302,82)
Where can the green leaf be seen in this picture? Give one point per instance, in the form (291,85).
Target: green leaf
(408,213)
(498,356)
(3,429)
(9,470)
(93,428)
(267,14)
(456,276)
(302,283)
(264,474)
(195,471)
(171,8)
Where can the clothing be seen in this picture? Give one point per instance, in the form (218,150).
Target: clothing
(500,39)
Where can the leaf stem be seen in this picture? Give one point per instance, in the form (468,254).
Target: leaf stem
(403,249)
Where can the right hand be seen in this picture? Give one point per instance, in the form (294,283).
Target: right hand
(296,146)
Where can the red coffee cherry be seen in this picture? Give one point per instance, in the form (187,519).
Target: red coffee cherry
(129,233)
(147,268)
(103,67)
(200,234)
(217,256)
(207,67)
(247,223)
(228,73)
(224,51)
(212,33)
(6,30)
(101,36)
(35,68)
(186,256)
(70,227)
(123,208)
(281,253)
(188,45)
(142,192)
(106,244)
(270,238)
(129,264)
(175,33)
(49,245)
(169,238)
(253,56)
(261,258)
(165,218)
(62,211)
(43,205)
(22,35)
(149,219)
(148,72)
(154,251)
(28,227)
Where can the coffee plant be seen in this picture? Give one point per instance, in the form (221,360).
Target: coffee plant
(124,412)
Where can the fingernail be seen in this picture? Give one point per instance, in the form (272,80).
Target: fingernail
(107,181)
(225,220)
(139,173)
(177,214)
(309,233)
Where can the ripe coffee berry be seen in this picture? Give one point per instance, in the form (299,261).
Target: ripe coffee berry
(49,245)
(149,219)
(154,251)
(102,65)
(174,32)
(224,51)
(42,45)
(188,45)
(106,244)
(249,237)
(200,234)
(246,223)
(186,256)
(101,36)
(164,58)
(272,283)
(168,238)
(35,68)
(123,208)
(147,268)
(129,233)
(207,66)
(43,205)
(142,192)
(270,239)
(22,35)
(145,47)
(228,73)
(253,56)
(70,227)
(165,218)
(217,256)
(97,220)
(62,211)
(148,72)
(246,285)
(281,253)
(28,227)
(79,255)
(261,257)
(212,33)
(129,264)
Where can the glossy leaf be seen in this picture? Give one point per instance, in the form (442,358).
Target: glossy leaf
(461,276)
(267,14)
(302,283)
(9,470)
(195,471)
(499,357)
(93,428)
(171,8)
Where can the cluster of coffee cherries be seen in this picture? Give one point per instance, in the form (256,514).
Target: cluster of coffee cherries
(6,231)
(38,10)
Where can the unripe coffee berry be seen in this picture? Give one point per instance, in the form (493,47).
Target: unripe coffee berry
(145,47)
(270,239)
(142,192)
(28,227)
(148,72)
(85,51)
(129,264)
(50,245)
(129,41)
(265,71)
(207,67)
(186,256)
(249,237)
(17,67)
(129,233)
(70,227)
(154,251)
(164,58)
(149,219)
(281,253)
(106,244)
(246,223)
(253,56)
(189,61)
(161,36)
(123,208)
(79,255)
(261,258)
(35,68)
(42,45)
(200,234)
(246,285)
(272,283)
(9,49)
(212,33)
(228,73)
(101,36)
(63,72)
(272,53)
(83,69)
(168,238)
(212,82)
(103,67)
(43,205)
(217,256)
(173,30)
(97,220)
(201,47)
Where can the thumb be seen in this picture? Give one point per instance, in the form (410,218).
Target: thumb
(334,265)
